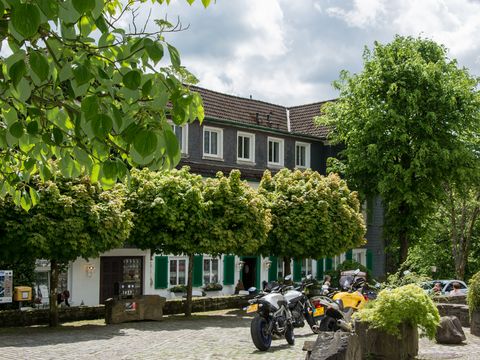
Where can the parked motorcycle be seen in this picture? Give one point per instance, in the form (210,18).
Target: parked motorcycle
(273,318)
(301,307)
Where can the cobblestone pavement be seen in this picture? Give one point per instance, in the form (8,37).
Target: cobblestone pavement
(213,335)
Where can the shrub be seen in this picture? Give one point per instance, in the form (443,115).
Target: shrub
(213,287)
(178,288)
(406,304)
(473,295)
(402,278)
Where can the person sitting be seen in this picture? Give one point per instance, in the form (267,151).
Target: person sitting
(437,289)
(456,289)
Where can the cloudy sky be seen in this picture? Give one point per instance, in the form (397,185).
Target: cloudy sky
(288,52)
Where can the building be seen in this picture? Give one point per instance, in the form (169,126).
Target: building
(237,133)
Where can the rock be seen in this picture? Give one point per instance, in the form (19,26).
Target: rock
(458,310)
(450,331)
(335,346)
(143,307)
(377,344)
(475,323)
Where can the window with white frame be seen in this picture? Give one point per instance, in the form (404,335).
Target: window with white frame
(360,256)
(212,142)
(210,270)
(302,155)
(337,260)
(275,151)
(181,132)
(280,268)
(178,271)
(245,147)
(307,266)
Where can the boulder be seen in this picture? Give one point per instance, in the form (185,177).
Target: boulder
(450,331)
(143,307)
(377,344)
(475,323)
(334,346)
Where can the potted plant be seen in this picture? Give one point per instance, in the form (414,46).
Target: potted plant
(388,326)
(213,287)
(178,289)
(473,301)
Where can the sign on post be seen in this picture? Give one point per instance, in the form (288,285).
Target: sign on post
(6,282)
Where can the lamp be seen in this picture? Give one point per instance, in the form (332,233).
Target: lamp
(89,269)
(240,265)
(267,263)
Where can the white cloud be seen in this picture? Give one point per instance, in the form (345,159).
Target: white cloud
(363,14)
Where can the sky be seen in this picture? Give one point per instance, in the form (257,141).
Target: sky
(288,52)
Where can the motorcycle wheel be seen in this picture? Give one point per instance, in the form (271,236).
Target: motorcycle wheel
(328,324)
(258,330)
(289,335)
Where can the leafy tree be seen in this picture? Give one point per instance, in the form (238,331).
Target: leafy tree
(79,88)
(176,212)
(74,219)
(407,122)
(312,216)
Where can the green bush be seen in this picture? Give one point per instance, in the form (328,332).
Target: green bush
(402,278)
(473,295)
(345,266)
(178,288)
(406,304)
(213,287)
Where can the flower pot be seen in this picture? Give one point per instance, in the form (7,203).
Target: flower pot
(475,323)
(376,343)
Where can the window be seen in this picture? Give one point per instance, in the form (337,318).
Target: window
(181,132)
(302,155)
(245,147)
(275,151)
(360,256)
(307,265)
(337,260)
(210,271)
(280,268)
(212,142)
(178,271)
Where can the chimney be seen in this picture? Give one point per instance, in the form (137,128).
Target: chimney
(250,96)
(257,118)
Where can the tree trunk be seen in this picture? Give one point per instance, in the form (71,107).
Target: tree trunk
(54,269)
(188,303)
(288,269)
(460,264)
(403,239)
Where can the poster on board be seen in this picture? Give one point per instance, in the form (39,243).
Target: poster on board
(6,286)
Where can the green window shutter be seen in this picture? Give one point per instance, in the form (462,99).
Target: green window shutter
(272,272)
(369,260)
(297,270)
(198,270)
(228,270)
(161,272)
(320,269)
(349,255)
(329,264)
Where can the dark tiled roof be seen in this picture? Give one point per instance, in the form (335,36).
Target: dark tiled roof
(210,169)
(260,113)
(301,120)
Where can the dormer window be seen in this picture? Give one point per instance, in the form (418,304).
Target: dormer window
(212,142)
(275,151)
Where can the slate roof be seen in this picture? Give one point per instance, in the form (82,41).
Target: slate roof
(260,113)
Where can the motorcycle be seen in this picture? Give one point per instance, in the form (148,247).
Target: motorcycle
(273,318)
(301,308)
(339,306)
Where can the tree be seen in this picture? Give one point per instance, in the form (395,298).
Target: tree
(177,212)
(406,122)
(74,219)
(81,89)
(312,216)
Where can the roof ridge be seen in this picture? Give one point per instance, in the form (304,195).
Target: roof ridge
(312,103)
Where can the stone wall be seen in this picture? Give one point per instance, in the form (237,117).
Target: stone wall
(10,318)
(457,299)
(458,310)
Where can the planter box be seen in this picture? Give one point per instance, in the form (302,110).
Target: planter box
(475,323)
(378,344)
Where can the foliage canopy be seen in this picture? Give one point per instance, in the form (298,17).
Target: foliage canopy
(81,89)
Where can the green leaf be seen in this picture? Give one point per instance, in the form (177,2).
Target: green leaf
(132,79)
(174,56)
(101,24)
(49,8)
(145,143)
(34,196)
(147,87)
(95,173)
(32,127)
(83,6)
(154,50)
(172,146)
(25,19)
(39,65)
(57,135)
(109,169)
(17,71)
(16,130)
(25,201)
(101,125)
(82,74)
(90,106)
(206,3)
